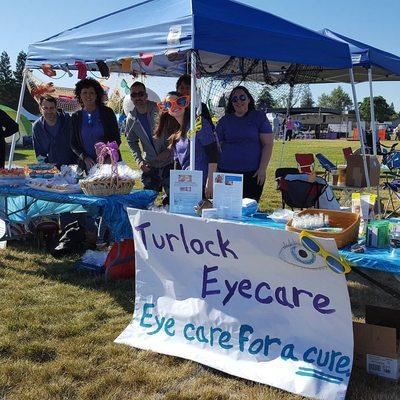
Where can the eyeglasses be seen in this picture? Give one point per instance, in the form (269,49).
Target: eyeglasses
(242,97)
(180,102)
(337,264)
(137,94)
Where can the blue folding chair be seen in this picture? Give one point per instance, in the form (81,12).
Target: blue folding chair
(392,183)
(326,164)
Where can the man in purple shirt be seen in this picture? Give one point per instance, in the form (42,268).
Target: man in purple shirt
(51,134)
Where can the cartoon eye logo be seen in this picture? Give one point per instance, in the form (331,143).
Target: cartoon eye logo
(296,254)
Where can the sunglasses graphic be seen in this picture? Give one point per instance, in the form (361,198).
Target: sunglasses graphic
(180,102)
(337,264)
(242,97)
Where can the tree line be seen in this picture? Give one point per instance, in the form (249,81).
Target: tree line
(337,99)
(11,82)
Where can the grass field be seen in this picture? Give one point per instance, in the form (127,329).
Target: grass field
(57,328)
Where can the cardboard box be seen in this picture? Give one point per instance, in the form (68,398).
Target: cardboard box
(376,343)
(355,175)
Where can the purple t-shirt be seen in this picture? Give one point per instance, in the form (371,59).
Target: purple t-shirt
(53,130)
(92,131)
(203,138)
(240,141)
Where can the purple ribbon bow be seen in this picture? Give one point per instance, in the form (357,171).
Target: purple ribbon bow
(103,150)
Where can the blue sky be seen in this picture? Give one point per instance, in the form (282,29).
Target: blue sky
(375,23)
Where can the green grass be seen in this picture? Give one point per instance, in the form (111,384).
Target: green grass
(57,329)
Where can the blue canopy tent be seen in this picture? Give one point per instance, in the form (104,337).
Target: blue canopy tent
(217,38)
(369,64)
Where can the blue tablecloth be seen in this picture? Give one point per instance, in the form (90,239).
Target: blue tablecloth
(110,208)
(373,258)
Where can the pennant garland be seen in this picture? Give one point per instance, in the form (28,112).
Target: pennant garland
(103,68)
(65,68)
(147,58)
(126,64)
(48,70)
(82,69)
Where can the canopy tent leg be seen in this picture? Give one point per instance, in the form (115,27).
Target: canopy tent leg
(360,132)
(193,103)
(372,108)
(14,137)
(374,131)
(290,97)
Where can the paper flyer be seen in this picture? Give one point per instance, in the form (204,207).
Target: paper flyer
(228,194)
(186,191)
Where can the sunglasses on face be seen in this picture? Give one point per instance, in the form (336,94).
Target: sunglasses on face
(180,102)
(336,264)
(242,97)
(137,94)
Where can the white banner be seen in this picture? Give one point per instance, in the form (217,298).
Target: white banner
(246,300)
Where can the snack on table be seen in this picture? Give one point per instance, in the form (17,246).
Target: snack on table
(41,170)
(12,175)
(69,173)
(12,172)
(54,185)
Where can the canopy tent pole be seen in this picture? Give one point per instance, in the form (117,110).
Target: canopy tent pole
(360,132)
(374,131)
(19,109)
(371,104)
(193,102)
(290,97)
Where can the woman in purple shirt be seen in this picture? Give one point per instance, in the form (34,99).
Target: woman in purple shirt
(246,140)
(94,123)
(175,122)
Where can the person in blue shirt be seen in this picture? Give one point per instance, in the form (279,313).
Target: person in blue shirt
(175,122)
(51,134)
(246,140)
(94,123)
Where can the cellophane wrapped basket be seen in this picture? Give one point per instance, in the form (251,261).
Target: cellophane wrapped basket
(106,186)
(108,179)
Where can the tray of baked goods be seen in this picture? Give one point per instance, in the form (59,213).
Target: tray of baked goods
(54,185)
(12,175)
(41,170)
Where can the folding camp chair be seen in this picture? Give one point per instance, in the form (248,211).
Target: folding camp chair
(326,164)
(392,183)
(347,151)
(305,162)
(298,193)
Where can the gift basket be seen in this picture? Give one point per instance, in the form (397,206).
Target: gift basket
(108,179)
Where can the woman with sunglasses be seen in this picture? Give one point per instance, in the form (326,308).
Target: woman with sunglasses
(94,123)
(175,121)
(246,141)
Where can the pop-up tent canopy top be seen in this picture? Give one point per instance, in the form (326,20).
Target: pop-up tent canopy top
(385,66)
(155,37)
